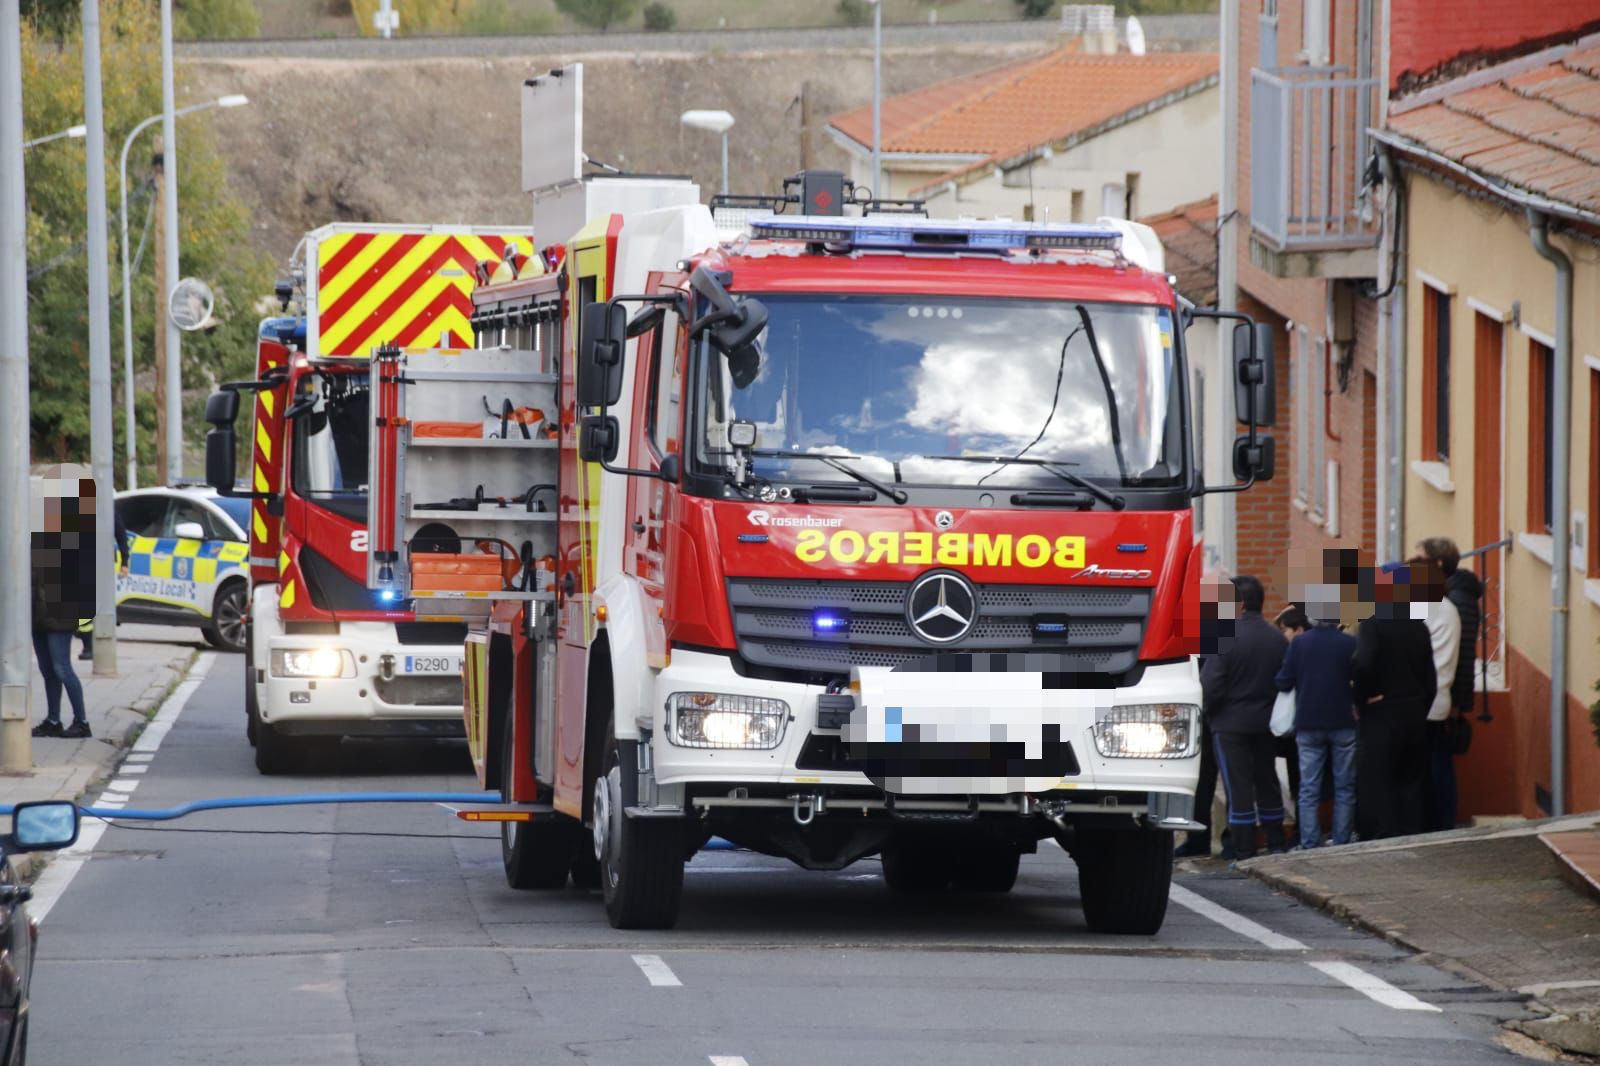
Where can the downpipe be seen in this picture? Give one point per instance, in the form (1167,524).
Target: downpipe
(1561,533)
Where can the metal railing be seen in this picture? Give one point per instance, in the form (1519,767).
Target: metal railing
(1308,146)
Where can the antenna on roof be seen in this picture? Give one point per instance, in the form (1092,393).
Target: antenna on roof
(1135,34)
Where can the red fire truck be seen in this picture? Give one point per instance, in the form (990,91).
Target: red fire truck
(326,657)
(833,536)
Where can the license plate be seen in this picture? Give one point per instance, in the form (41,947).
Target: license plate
(432,664)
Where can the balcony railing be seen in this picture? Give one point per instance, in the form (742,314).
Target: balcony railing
(1308,146)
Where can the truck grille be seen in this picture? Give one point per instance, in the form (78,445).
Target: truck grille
(426,691)
(772,620)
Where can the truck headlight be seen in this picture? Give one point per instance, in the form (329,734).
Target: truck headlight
(312,662)
(721,720)
(1149,731)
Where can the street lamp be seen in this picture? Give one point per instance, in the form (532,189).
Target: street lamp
(716,122)
(127,297)
(73,132)
(877,97)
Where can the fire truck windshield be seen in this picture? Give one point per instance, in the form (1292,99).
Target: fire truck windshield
(922,390)
(331,423)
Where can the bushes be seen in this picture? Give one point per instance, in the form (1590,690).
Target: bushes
(659,17)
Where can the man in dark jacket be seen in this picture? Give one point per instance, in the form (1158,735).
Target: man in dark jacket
(1465,591)
(1395,686)
(1317,670)
(1239,687)
(60,597)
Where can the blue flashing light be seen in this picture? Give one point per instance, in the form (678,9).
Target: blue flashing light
(936,235)
(1051,627)
(388,595)
(823,621)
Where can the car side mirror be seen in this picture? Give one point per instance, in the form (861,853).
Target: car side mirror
(1254,375)
(189,531)
(603,329)
(1254,460)
(43,825)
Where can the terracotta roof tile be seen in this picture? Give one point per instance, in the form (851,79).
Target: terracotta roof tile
(1537,130)
(1011,109)
(1189,236)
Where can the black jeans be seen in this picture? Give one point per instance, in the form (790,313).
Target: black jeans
(1391,769)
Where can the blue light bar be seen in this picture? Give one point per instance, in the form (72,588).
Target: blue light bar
(920,234)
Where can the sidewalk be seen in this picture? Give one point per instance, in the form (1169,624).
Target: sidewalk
(1493,903)
(151,660)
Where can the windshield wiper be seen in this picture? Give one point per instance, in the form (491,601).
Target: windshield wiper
(1111,500)
(897,495)
(1111,395)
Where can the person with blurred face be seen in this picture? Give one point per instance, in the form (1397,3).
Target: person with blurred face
(1463,590)
(1238,689)
(58,549)
(1395,686)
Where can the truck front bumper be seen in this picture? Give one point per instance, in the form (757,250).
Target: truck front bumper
(804,761)
(384,688)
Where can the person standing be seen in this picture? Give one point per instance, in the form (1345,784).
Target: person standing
(1291,622)
(1444,632)
(1238,689)
(1395,686)
(59,599)
(1463,589)
(1317,669)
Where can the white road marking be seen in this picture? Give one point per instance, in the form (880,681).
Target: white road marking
(660,974)
(133,769)
(1237,923)
(123,784)
(140,756)
(1374,988)
(728,1060)
(47,890)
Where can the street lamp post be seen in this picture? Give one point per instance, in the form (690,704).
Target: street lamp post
(73,132)
(716,122)
(127,295)
(169,193)
(877,97)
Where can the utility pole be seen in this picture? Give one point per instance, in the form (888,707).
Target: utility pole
(158,167)
(173,470)
(16,593)
(100,432)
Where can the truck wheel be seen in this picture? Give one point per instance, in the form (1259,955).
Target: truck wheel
(535,854)
(227,629)
(641,860)
(986,868)
(252,706)
(276,753)
(916,868)
(1124,878)
(585,867)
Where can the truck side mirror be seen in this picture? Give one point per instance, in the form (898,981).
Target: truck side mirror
(602,330)
(222,447)
(599,438)
(1254,374)
(1254,461)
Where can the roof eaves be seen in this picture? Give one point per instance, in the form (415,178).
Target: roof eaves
(1489,75)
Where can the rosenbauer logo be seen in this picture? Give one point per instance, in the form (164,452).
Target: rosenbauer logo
(767,518)
(1093,570)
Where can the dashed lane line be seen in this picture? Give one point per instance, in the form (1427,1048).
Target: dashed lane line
(53,882)
(728,1060)
(658,972)
(1373,987)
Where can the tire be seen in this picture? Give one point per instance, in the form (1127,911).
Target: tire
(986,867)
(276,753)
(252,705)
(585,867)
(1124,879)
(226,631)
(916,868)
(535,854)
(641,860)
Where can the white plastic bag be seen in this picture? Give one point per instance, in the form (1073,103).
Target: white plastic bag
(1283,714)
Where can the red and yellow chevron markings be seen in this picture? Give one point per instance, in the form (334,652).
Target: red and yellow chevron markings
(408,289)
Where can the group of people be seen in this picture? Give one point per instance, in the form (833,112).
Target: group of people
(1377,715)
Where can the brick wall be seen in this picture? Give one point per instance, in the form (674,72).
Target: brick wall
(1425,34)
(1262,512)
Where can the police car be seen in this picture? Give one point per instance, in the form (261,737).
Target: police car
(188,561)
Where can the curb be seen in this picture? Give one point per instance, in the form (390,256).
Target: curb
(1576,1033)
(27,865)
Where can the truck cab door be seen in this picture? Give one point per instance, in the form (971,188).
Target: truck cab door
(658,395)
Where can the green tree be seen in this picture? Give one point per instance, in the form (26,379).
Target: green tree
(853,12)
(601,14)
(659,16)
(213,19)
(214,237)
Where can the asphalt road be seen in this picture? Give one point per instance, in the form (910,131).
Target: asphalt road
(386,934)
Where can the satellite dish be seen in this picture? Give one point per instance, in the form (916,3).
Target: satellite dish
(1135,34)
(190,305)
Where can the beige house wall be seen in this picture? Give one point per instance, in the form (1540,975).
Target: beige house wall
(1482,254)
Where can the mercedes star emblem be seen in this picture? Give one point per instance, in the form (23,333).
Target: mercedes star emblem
(941,607)
(944,519)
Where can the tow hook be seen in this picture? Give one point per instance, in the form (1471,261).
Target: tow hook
(386,666)
(807,807)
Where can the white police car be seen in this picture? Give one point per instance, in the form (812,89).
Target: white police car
(188,561)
